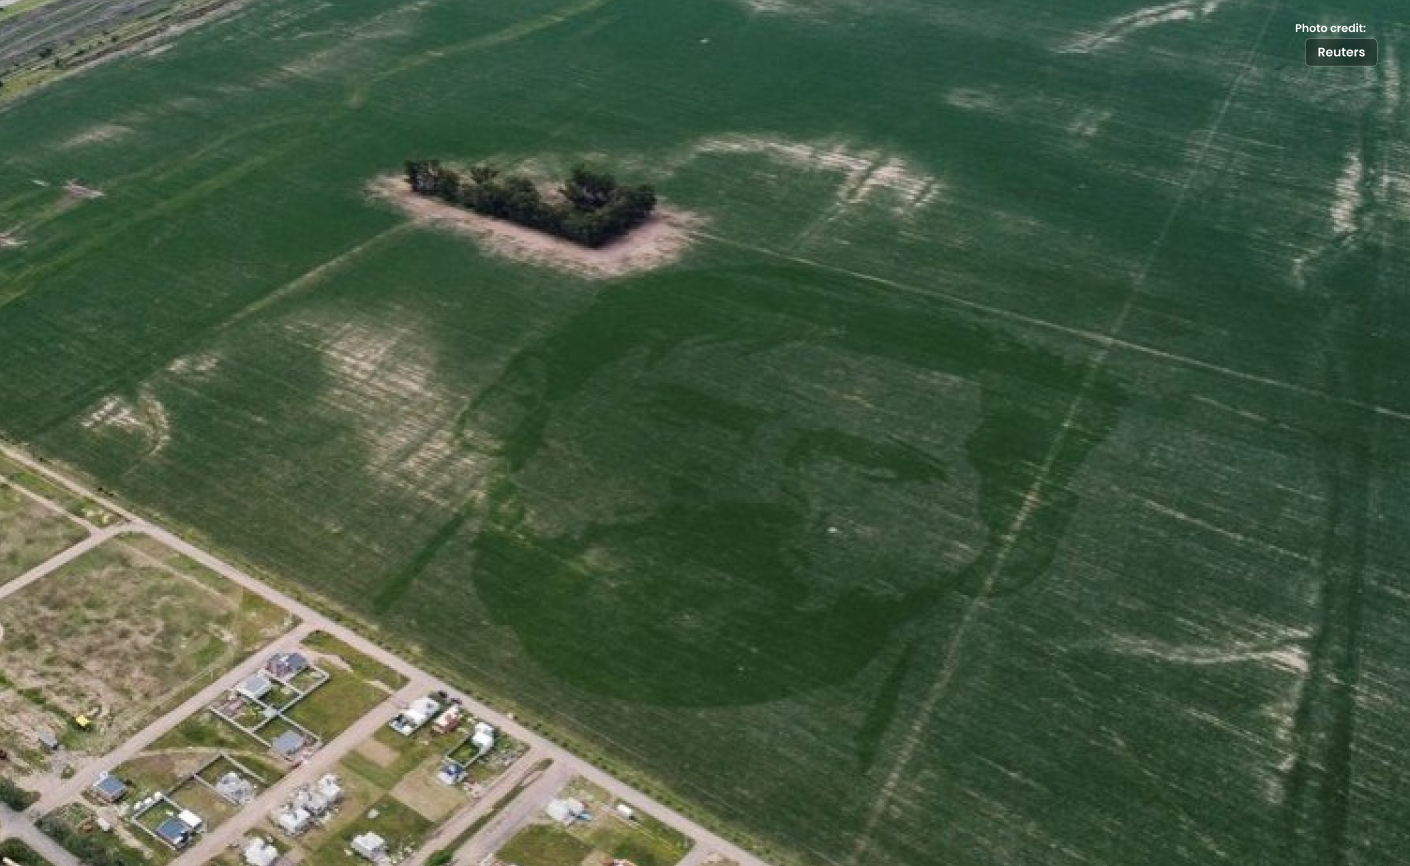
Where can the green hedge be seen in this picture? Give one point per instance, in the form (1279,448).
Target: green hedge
(14,796)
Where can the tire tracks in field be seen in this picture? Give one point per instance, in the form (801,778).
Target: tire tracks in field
(1317,789)
(26,280)
(358,96)
(914,735)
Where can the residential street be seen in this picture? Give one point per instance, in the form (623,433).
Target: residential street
(421,682)
(15,825)
(231,832)
(58,793)
(529,798)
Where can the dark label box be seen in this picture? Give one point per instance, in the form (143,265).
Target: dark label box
(1341,52)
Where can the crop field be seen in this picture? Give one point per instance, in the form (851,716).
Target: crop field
(1013,469)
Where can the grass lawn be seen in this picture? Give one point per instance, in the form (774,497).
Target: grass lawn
(213,808)
(644,840)
(30,533)
(403,829)
(205,731)
(545,845)
(359,663)
(336,704)
(388,756)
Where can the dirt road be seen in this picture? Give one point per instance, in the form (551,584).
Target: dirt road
(16,826)
(526,771)
(564,761)
(233,831)
(56,792)
(527,806)
(61,559)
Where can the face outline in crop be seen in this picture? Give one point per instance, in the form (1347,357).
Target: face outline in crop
(687,518)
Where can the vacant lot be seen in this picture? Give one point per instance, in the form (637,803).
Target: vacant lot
(1012,470)
(30,533)
(122,633)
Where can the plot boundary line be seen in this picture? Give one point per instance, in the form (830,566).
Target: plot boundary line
(911,741)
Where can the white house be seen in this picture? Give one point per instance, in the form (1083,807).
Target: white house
(293,821)
(565,811)
(261,853)
(483,738)
(421,711)
(370,846)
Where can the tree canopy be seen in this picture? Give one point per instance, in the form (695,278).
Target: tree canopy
(591,208)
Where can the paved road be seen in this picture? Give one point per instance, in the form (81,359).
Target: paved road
(17,826)
(706,841)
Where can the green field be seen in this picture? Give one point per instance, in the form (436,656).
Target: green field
(1013,470)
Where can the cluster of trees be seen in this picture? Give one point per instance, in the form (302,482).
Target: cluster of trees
(87,847)
(591,208)
(14,796)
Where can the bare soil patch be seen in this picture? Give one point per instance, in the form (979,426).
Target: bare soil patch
(118,635)
(382,755)
(660,241)
(422,792)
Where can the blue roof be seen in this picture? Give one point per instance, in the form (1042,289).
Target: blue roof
(110,785)
(288,742)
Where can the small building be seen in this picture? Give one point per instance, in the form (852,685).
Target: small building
(255,687)
(370,846)
(289,744)
(235,788)
(109,788)
(47,739)
(175,832)
(483,737)
(286,666)
(190,819)
(448,720)
(566,811)
(331,787)
(421,711)
(260,852)
(292,820)
(451,772)
(626,811)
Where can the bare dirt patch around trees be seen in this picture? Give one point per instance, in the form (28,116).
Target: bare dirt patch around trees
(660,241)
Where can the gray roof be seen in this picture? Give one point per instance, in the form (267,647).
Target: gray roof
(174,831)
(110,786)
(288,742)
(284,664)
